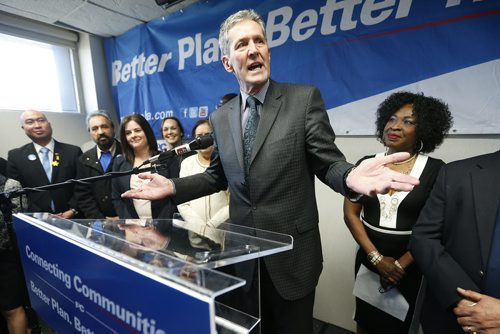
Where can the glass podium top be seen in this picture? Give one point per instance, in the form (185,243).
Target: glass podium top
(173,249)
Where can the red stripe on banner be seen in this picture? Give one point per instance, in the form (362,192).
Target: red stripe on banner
(420,26)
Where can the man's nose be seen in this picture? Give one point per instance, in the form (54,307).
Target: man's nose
(252,48)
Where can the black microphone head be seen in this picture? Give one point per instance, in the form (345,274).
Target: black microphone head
(201,142)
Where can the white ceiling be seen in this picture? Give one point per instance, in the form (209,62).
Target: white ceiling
(99,17)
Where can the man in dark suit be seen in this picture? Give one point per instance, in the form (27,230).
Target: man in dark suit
(456,244)
(94,200)
(44,161)
(3,166)
(271,182)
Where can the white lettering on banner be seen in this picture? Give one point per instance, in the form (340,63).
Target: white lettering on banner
(138,67)
(81,328)
(281,25)
(135,319)
(52,268)
(159,115)
(38,292)
(189,46)
(451,3)
(304,25)
(60,311)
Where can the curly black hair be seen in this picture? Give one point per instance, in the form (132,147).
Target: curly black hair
(433,116)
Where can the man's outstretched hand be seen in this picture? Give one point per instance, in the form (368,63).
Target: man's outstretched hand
(158,187)
(372,176)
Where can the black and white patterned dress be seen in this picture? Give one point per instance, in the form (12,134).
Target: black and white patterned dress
(388,220)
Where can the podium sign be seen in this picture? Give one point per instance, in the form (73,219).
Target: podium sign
(77,289)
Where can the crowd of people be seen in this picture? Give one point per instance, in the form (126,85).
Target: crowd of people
(410,214)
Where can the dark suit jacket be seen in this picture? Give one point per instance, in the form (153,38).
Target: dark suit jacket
(3,166)
(161,209)
(294,143)
(452,238)
(25,166)
(94,200)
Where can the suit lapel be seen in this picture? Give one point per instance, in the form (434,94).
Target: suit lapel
(57,158)
(270,110)
(234,113)
(486,192)
(37,163)
(95,160)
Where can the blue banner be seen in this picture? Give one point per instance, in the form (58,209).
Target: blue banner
(351,50)
(76,290)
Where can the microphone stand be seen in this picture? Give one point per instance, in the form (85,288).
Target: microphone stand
(6,205)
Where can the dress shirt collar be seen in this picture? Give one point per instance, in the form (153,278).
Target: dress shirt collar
(112,150)
(260,96)
(50,146)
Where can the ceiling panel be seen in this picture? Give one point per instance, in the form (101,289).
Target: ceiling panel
(48,11)
(99,21)
(99,17)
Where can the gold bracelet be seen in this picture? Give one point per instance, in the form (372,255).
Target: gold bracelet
(375,257)
(396,262)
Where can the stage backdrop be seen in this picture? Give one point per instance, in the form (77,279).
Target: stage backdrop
(356,51)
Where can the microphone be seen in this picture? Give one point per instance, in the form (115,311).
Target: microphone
(198,143)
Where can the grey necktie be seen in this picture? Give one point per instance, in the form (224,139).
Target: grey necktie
(46,162)
(250,132)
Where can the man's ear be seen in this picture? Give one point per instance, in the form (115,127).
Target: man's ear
(227,64)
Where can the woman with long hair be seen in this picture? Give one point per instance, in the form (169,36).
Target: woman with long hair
(138,145)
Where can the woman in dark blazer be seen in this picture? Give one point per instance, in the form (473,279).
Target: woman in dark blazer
(139,144)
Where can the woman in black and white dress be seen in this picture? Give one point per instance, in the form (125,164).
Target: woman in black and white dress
(406,122)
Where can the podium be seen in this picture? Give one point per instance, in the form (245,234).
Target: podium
(137,276)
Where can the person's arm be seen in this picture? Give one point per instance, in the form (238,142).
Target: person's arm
(13,171)
(478,312)
(329,165)
(85,199)
(222,215)
(386,266)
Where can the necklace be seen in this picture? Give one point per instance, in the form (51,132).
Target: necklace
(406,161)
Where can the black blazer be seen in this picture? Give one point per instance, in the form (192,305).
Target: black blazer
(94,200)
(3,166)
(25,166)
(451,240)
(295,143)
(162,209)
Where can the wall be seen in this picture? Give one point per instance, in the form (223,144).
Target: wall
(70,128)
(334,301)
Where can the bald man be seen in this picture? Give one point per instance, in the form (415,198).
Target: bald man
(44,161)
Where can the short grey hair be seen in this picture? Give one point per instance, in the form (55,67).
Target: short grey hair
(102,113)
(242,15)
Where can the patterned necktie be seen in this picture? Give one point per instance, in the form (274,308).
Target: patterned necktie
(105,159)
(250,132)
(46,162)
